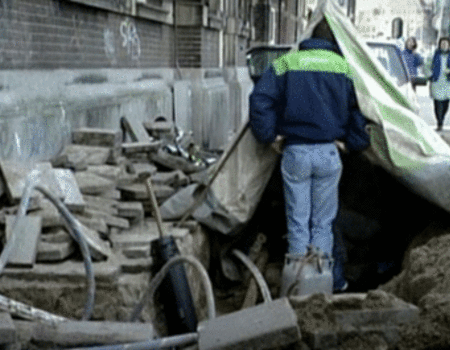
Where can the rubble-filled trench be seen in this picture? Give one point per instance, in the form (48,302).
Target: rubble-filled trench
(396,252)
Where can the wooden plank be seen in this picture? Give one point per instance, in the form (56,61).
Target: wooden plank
(26,239)
(73,198)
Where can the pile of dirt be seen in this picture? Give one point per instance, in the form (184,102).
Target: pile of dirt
(425,282)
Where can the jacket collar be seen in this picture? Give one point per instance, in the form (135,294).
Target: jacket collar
(317,44)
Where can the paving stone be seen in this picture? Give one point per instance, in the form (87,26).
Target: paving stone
(110,220)
(97,137)
(138,191)
(94,223)
(14,176)
(79,333)
(73,198)
(47,251)
(140,147)
(111,194)
(56,235)
(7,328)
(131,210)
(107,206)
(93,184)
(264,326)
(78,157)
(26,240)
(110,172)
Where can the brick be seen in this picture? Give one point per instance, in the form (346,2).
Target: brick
(26,239)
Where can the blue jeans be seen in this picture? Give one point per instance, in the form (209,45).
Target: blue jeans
(311,175)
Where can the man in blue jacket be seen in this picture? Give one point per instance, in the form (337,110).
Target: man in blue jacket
(307,97)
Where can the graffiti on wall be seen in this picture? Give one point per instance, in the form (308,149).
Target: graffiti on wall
(130,38)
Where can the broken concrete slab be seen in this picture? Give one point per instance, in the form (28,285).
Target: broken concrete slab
(135,265)
(54,252)
(94,223)
(80,333)
(175,162)
(99,248)
(134,129)
(56,235)
(27,234)
(140,147)
(107,206)
(7,329)
(265,326)
(90,183)
(97,137)
(72,195)
(111,194)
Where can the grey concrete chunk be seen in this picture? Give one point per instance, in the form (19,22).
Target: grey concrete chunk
(138,191)
(73,198)
(94,223)
(107,206)
(97,137)
(111,194)
(49,214)
(99,248)
(110,220)
(7,329)
(264,326)
(48,251)
(93,184)
(56,235)
(131,210)
(79,333)
(27,235)
(79,157)
(143,169)
(174,178)
(110,172)
(134,129)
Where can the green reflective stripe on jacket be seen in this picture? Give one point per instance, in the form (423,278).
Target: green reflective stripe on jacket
(312,61)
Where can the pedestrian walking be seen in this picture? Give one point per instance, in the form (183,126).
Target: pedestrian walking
(440,80)
(412,59)
(307,98)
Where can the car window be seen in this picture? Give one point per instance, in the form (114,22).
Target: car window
(391,58)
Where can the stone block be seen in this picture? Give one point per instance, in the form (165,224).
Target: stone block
(143,169)
(174,178)
(134,130)
(7,329)
(47,251)
(107,206)
(110,172)
(110,220)
(93,184)
(99,248)
(175,162)
(26,235)
(80,333)
(138,191)
(56,235)
(97,137)
(94,223)
(264,326)
(78,157)
(131,210)
(49,214)
(111,194)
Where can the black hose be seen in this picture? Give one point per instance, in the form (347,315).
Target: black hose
(156,281)
(168,342)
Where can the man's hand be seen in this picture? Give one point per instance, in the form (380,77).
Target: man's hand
(278,144)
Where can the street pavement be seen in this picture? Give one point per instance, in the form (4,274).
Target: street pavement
(427,108)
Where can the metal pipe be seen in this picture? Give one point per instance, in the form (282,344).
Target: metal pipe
(156,281)
(256,273)
(168,342)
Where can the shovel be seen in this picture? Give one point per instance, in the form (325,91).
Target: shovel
(177,301)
